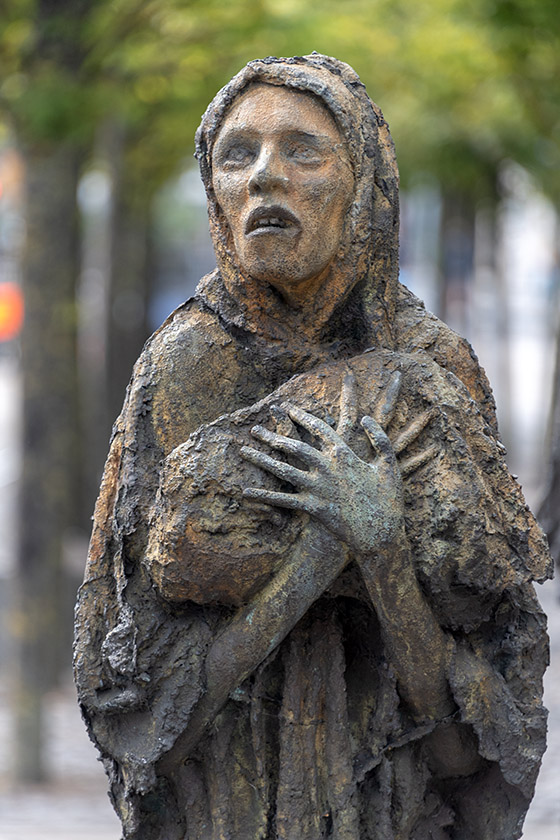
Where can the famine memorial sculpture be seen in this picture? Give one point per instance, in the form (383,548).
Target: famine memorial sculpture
(308,609)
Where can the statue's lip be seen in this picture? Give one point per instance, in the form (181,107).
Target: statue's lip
(271,219)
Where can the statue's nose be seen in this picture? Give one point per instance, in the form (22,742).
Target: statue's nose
(268,172)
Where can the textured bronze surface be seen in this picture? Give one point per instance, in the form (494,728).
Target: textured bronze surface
(308,610)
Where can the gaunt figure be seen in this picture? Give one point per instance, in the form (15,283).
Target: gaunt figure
(308,610)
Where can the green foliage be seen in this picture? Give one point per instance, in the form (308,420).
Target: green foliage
(41,54)
(463,83)
(526,33)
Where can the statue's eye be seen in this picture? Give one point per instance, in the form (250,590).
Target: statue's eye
(301,151)
(237,154)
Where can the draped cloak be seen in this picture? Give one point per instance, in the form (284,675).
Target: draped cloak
(316,742)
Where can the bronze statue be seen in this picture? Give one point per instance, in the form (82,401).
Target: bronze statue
(308,610)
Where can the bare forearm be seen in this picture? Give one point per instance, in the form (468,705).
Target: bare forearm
(260,627)
(256,630)
(417,647)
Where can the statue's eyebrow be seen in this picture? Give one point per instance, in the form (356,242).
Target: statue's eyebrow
(242,132)
(319,140)
(233,133)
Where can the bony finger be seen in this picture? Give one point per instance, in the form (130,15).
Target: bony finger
(272,439)
(260,432)
(377,437)
(291,501)
(260,459)
(413,430)
(409,465)
(388,403)
(314,425)
(310,456)
(348,405)
(283,471)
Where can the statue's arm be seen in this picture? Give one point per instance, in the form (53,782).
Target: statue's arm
(418,648)
(361,504)
(420,653)
(258,628)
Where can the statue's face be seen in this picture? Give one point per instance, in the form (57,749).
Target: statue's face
(283,179)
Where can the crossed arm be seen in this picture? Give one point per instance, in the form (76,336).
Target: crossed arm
(356,512)
(361,504)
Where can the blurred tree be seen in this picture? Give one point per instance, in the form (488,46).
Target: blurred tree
(528,34)
(157,64)
(549,512)
(41,52)
(455,110)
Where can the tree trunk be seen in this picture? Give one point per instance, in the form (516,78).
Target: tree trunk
(491,317)
(130,272)
(457,261)
(549,511)
(114,297)
(50,488)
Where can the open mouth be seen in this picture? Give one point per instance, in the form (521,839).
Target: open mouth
(271,219)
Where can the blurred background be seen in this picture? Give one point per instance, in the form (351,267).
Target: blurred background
(103,231)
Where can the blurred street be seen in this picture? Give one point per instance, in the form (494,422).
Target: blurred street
(74,804)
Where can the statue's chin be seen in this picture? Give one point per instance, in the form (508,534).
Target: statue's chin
(294,272)
(295,287)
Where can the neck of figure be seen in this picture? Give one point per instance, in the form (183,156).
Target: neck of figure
(301,317)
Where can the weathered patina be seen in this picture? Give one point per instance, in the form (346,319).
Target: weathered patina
(308,609)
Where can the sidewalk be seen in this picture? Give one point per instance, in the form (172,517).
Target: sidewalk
(543,819)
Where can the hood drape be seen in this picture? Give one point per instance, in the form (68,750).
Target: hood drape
(363,279)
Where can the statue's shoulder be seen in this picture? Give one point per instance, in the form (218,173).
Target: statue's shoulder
(416,330)
(164,403)
(191,331)
(175,379)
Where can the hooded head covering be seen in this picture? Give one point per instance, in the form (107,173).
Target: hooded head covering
(364,273)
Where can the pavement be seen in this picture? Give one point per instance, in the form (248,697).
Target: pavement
(543,819)
(74,804)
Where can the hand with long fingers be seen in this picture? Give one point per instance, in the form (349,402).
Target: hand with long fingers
(360,502)
(384,412)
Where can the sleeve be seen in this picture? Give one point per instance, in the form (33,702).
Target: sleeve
(477,550)
(134,699)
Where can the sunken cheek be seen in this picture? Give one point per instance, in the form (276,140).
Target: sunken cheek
(305,192)
(297,195)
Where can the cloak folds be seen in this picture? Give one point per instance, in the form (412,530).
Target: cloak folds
(315,740)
